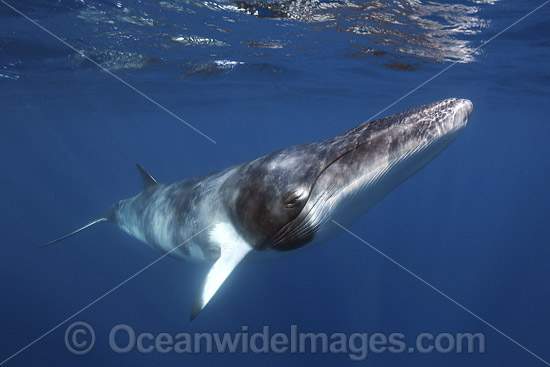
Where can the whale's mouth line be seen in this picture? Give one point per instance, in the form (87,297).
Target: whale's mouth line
(297,222)
(276,238)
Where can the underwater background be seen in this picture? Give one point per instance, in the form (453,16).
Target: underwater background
(257,76)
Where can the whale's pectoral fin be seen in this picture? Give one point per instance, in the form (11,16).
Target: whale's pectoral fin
(233,249)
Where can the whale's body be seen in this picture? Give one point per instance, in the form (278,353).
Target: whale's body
(285,200)
(166,215)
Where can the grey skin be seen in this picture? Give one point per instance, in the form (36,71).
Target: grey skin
(285,200)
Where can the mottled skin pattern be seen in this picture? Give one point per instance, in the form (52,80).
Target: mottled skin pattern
(284,200)
(166,215)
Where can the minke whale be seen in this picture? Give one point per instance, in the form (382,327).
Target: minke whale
(284,201)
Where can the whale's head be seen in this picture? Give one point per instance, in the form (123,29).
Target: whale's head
(284,199)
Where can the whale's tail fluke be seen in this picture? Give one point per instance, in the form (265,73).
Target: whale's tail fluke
(148,181)
(104,219)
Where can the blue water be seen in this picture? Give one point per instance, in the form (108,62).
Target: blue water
(255,78)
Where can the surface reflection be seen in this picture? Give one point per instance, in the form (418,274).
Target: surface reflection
(125,36)
(428,30)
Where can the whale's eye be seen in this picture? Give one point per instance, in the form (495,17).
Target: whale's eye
(294,199)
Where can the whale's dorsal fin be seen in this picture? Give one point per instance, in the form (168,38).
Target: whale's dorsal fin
(233,249)
(148,180)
